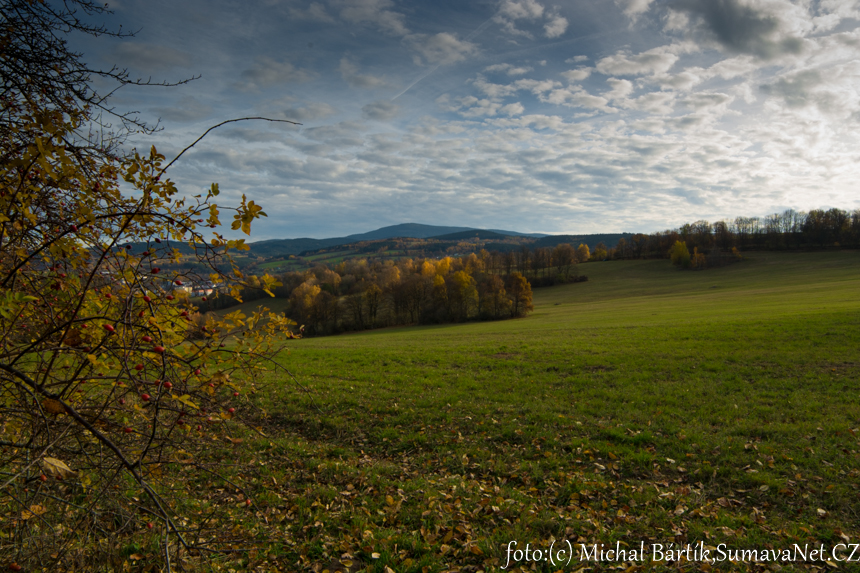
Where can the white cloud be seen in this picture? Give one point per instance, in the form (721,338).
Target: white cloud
(520,9)
(555,27)
(655,61)
(511,11)
(441,48)
(509,69)
(634,8)
(577,75)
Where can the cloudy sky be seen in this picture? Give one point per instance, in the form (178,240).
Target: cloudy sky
(573,116)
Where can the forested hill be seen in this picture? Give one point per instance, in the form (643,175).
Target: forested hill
(274,248)
(282,247)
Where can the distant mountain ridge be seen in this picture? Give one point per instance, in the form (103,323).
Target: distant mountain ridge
(277,247)
(285,247)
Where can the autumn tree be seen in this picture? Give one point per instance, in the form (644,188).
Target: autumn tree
(520,295)
(104,397)
(680,255)
(582,253)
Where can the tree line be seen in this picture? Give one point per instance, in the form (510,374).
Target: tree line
(359,294)
(714,243)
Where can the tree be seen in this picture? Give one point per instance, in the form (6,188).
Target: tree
(520,294)
(103,395)
(680,255)
(564,257)
(493,300)
(582,253)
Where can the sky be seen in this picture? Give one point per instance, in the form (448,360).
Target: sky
(581,116)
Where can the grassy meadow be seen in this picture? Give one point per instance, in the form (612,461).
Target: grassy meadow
(645,405)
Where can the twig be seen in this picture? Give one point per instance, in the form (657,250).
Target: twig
(166,167)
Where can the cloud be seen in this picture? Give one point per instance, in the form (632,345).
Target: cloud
(510,11)
(441,48)
(150,57)
(832,94)
(577,75)
(764,31)
(509,69)
(520,9)
(374,12)
(655,61)
(268,72)
(555,27)
(634,8)
(380,111)
(349,73)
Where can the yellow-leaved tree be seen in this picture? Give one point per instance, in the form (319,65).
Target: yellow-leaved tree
(105,401)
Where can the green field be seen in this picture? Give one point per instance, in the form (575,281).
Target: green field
(645,405)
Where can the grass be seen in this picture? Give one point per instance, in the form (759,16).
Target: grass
(645,405)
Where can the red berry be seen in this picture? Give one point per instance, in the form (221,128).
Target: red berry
(146,298)
(203,299)
(121,401)
(197,372)
(147,338)
(231,410)
(144,397)
(183,313)
(43,477)
(169,297)
(128,430)
(138,367)
(158,349)
(109,328)
(248,502)
(168,385)
(157,240)
(235,394)
(155,270)
(141,314)
(179,283)
(149,525)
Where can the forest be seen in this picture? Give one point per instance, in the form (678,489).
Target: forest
(359,294)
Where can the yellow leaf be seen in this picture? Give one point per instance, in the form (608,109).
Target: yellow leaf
(57,468)
(389,500)
(33,511)
(186,399)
